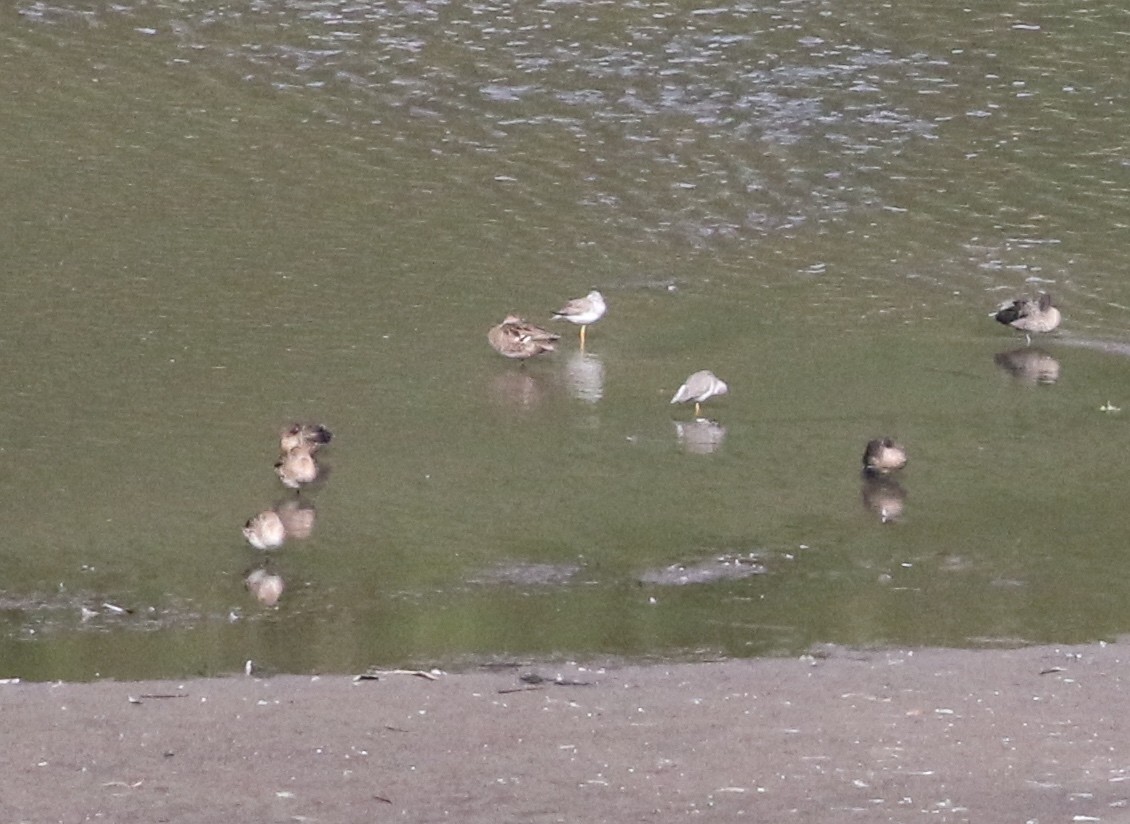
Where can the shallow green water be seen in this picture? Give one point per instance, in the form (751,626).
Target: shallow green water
(220,221)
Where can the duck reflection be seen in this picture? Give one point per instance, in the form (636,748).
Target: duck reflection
(521,390)
(267,587)
(585,373)
(1030,365)
(297,517)
(883,496)
(700,436)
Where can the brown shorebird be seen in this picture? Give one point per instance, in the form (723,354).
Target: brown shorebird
(297,467)
(265,530)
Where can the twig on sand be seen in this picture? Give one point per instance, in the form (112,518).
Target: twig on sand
(137,699)
(375,674)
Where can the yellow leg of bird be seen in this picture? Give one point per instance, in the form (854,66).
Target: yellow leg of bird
(697,408)
(583,327)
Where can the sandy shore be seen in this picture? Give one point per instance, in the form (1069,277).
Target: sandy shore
(1030,735)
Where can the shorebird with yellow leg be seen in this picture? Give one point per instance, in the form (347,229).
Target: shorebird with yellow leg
(518,338)
(583,311)
(699,387)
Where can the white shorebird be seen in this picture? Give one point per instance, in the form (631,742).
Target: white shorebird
(265,530)
(1029,315)
(883,456)
(699,387)
(517,338)
(583,311)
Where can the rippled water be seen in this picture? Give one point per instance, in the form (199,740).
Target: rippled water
(221,220)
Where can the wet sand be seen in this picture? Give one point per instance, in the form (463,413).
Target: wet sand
(1031,735)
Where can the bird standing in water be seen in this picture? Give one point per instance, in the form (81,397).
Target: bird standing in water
(1029,315)
(297,467)
(313,435)
(518,338)
(583,311)
(883,456)
(699,387)
(265,530)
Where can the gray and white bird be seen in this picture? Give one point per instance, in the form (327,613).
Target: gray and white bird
(1029,315)
(583,311)
(699,387)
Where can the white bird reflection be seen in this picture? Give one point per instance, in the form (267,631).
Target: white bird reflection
(1030,365)
(883,496)
(267,587)
(585,373)
(700,436)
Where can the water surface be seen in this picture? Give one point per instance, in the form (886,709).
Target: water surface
(224,220)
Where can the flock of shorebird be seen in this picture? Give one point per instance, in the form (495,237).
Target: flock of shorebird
(297,465)
(517,338)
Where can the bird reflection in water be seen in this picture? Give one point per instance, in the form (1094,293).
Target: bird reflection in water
(700,436)
(520,390)
(585,373)
(1030,365)
(298,518)
(884,496)
(267,587)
